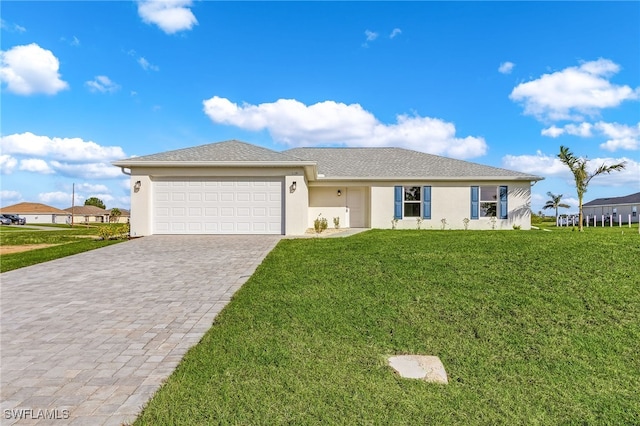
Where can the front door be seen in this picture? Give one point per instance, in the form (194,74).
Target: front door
(355,204)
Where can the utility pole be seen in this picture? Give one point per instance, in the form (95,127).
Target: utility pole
(73,203)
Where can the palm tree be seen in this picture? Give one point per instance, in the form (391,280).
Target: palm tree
(555,203)
(582,177)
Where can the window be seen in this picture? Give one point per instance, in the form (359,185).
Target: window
(634,211)
(412,201)
(489,201)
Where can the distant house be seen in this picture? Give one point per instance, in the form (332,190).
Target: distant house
(88,214)
(614,207)
(123,218)
(38,213)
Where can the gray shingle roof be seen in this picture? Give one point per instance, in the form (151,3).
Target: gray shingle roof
(396,163)
(227,151)
(627,199)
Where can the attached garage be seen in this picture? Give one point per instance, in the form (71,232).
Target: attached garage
(218,206)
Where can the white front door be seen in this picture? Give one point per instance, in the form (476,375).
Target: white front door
(355,204)
(217,206)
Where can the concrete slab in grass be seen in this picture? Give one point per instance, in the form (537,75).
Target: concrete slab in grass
(424,367)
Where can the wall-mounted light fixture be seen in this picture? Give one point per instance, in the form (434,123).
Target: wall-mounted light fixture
(292,188)
(136,186)
(339,192)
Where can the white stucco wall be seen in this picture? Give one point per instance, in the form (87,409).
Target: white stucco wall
(295,209)
(325,202)
(451,201)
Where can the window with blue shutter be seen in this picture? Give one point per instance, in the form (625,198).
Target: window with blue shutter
(426,202)
(397,210)
(474,202)
(504,208)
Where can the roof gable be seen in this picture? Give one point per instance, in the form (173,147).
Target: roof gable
(232,151)
(86,210)
(31,208)
(396,163)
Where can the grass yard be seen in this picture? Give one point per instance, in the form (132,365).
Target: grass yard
(532,327)
(42,246)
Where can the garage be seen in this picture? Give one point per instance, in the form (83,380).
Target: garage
(217,206)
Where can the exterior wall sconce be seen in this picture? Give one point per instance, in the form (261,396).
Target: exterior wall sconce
(136,186)
(339,192)
(292,188)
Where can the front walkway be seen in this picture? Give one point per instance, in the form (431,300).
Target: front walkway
(89,338)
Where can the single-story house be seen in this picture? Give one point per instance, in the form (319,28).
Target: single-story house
(614,207)
(233,187)
(122,218)
(88,214)
(37,213)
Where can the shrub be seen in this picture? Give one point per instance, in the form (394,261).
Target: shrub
(114,231)
(336,222)
(320,224)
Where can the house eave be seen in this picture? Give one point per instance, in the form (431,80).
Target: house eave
(429,178)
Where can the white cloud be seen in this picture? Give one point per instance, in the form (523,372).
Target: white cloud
(295,124)
(7,164)
(12,28)
(552,131)
(170,15)
(35,165)
(620,136)
(550,166)
(87,170)
(75,41)
(58,197)
(88,187)
(31,69)
(370,35)
(396,32)
(102,84)
(506,67)
(69,149)
(146,65)
(9,197)
(574,92)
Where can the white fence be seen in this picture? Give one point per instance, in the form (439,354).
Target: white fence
(595,220)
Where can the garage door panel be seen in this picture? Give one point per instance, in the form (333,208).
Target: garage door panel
(225,206)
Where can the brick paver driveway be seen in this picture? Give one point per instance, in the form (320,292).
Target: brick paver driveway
(89,338)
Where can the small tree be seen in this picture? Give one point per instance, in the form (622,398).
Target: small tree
(115,214)
(94,201)
(582,177)
(555,203)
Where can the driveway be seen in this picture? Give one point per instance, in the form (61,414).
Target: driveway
(89,338)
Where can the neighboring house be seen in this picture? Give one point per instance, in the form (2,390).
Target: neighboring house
(37,213)
(88,214)
(123,218)
(614,207)
(234,187)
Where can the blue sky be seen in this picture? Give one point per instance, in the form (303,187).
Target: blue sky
(498,83)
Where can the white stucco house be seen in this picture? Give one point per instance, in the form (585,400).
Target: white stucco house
(37,213)
(233,187)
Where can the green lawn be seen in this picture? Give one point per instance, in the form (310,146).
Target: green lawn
(67,241)
(533,327)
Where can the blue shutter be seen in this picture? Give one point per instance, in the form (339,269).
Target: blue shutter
(474,202)
(397,211)
(426,202)
(504,208)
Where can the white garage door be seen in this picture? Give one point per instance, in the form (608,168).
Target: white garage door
(233,206)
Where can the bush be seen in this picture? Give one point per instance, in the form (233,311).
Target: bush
(114,231)
(320,224)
